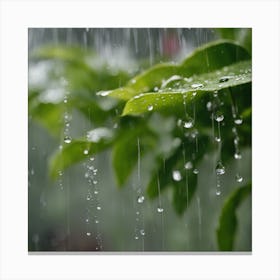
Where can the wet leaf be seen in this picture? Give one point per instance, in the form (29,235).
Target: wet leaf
(228,221)
(100,139)
(172,98)
(206,59)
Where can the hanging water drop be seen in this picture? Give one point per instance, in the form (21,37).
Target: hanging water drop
(188,123)
(220,169)
(188,165)
(195,171)
(150,108)
(237,155)
(160,209)
(218,191)
(85,152)
(219,117)
(140,199)
(67,139)
(238,121)
(98,208)
(238,178)
(88,233)
(142,232)
(176,175)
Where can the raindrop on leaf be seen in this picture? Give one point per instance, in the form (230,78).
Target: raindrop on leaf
(224,79)
(150,108)
(160,209)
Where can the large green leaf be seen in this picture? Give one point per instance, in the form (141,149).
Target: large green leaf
(228,221)
(180,93)
(206,59)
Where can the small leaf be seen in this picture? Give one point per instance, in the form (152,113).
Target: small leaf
(228,221)
(98,140)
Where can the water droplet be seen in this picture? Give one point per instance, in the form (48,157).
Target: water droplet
(195,171)
(188,165)
(96,221)
(88,196)
(209,106)
(176,175)
(238,121)
(136,237)
(87,220)
(188,123)
(237,155)
(95,192)
(220,169)
(160,209)
(85,152)
(140,199)
(137,213)
(224,79)
(218,192)
(88,233)
(91,158)
(142,232)
(219,117)
(98,208)
(150,108)
(238,178)
(218,139)
(67,139)
(156,89)
(60,173)
(197,85)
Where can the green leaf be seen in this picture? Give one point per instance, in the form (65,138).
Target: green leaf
(98,140)
(208,58)
(48,115)
(171,99)
(228,221)
(242,36)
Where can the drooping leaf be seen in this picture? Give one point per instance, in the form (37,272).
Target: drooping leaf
(228,221)
(206,59)
(174,97)
(97,141)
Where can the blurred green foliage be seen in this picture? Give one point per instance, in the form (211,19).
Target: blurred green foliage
(150,113)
